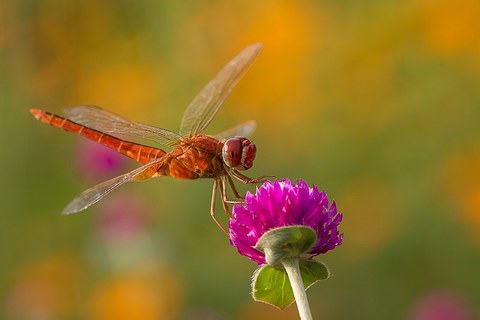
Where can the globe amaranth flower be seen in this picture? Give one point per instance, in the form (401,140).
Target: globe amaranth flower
(279,204)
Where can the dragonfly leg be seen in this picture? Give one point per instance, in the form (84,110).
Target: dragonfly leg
(244,179)
(212,207)
(234,189)
(232,186)
(240,199)
(223,193)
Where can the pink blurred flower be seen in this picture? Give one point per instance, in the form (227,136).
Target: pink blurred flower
(441,305)
(122,217)
(97,162)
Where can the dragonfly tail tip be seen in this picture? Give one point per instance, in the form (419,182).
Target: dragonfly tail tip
(37,113)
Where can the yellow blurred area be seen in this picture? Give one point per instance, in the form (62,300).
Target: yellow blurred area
(106,88)
(473,209)
(375,211)
(377,103)
(461,177)
(135,296)
(291,32)
(46,288)
(452,27)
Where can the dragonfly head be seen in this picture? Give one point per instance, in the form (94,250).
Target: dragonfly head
(239,153)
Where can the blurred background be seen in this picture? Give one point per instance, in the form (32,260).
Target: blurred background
(377,103)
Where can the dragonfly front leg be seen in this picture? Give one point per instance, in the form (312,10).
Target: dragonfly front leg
(234,189)
(246,180)
(212,206)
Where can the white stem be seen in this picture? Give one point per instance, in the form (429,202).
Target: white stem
(293,272)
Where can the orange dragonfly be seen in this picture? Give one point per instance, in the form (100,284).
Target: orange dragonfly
(194,155)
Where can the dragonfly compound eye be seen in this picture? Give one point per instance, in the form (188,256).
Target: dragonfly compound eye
(239,153)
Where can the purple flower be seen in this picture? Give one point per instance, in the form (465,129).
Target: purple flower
(281,203)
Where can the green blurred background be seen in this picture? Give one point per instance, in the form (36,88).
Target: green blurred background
(375,102)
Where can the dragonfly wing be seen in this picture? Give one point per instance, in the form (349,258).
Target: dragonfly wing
(94,194)
(243,130)
(102,120)
(205,105)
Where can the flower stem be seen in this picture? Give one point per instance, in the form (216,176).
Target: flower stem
(293,271)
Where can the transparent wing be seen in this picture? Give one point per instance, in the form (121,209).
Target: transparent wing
(102,120)
(243,130)
(94,194)
(205,105)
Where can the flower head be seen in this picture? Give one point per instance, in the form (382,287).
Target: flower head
(279,204)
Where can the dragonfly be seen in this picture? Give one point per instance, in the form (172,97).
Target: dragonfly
(193,154)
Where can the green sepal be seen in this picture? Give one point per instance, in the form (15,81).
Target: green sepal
(286,242)
(270,284)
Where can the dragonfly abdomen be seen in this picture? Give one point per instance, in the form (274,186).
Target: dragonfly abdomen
(138,152)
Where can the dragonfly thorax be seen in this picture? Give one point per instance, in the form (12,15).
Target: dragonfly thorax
(239,153)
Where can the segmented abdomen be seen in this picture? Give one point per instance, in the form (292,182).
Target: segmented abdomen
(138,152)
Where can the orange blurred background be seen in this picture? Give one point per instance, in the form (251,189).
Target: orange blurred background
(376,103)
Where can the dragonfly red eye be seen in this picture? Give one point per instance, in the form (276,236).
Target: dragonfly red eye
(239,153)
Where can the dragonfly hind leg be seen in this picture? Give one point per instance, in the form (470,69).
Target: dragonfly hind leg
(234,188)
(212,206)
